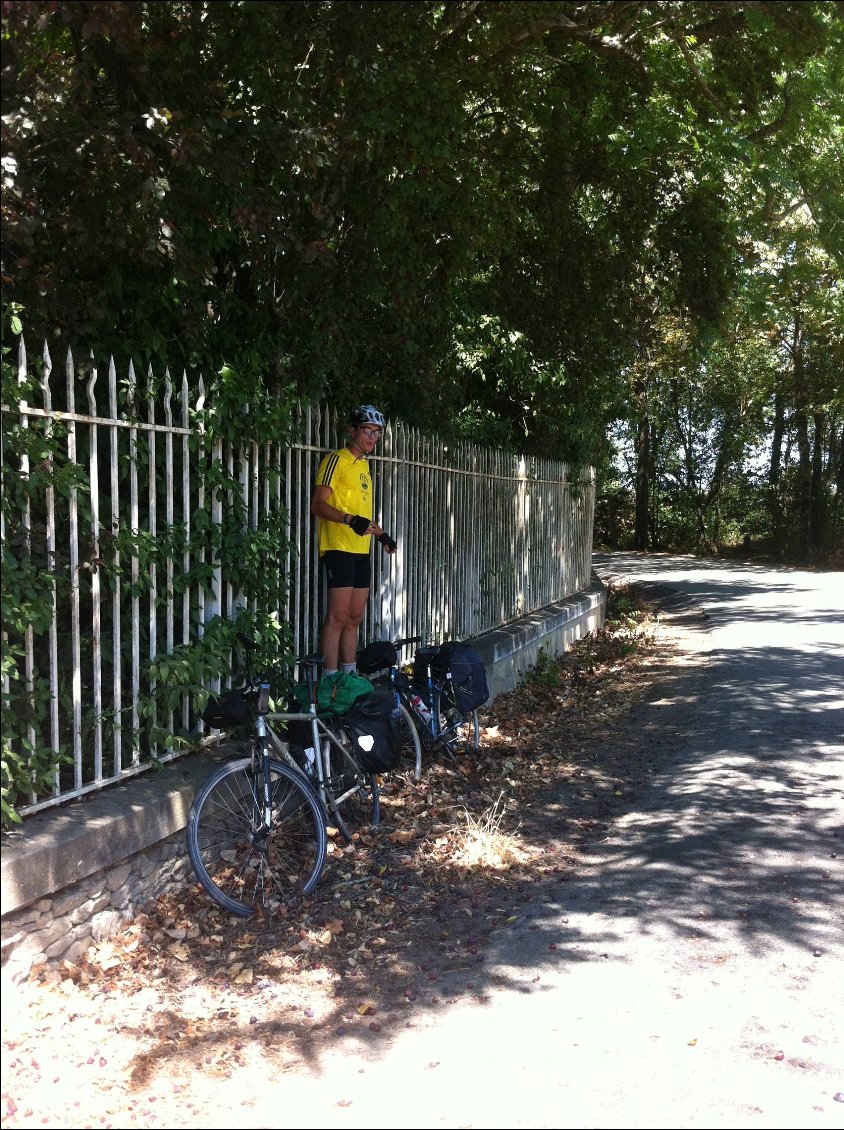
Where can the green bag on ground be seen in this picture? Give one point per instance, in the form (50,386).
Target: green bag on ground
(335,693)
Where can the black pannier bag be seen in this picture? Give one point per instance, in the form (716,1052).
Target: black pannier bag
(423,657)
(468,674)
(373,725)
(377,656)
(226,710)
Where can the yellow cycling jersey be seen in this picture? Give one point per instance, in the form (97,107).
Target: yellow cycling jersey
(351,491)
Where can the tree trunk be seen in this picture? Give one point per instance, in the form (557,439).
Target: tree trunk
(641,538)
(775,473)
(818,513)
(804,484)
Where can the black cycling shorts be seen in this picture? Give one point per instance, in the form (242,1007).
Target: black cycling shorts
(347,570)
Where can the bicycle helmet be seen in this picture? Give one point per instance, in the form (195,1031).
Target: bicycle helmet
(366,414)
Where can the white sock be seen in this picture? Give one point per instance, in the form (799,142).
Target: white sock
(350,668)
(329,671)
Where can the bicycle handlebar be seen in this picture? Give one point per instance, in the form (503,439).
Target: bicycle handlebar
(406,640)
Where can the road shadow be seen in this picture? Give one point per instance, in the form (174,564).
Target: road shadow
(713,819)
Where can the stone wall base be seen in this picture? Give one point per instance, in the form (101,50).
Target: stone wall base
(63,926)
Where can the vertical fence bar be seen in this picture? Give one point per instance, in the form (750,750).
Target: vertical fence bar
(53,634)
(289,564)
(254,485)
(423,545)
(116,650)
(401,533)
(186,523)
(4,635)
(96,618)
(216,521)
(284,515)
(73,567)
(202,471)
(238,598)
(26,528)
(152,526)
(169,498)
(229,605)
(134,526)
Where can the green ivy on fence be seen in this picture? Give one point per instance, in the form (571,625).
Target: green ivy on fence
(250,559)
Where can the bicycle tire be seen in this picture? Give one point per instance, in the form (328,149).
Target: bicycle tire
(411,747)
(354,797)
(245,868)
(459,730)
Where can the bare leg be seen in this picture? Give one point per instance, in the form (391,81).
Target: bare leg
(349,635)
(336,619)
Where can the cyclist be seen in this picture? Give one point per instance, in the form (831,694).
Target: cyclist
(342,503)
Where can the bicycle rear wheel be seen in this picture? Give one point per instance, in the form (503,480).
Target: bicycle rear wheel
(410,757)
(353,794)
(245,866)
(411,746)
(459,730)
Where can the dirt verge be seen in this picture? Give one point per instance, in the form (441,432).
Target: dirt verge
(149,1027)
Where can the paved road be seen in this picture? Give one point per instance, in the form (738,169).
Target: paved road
(692,976)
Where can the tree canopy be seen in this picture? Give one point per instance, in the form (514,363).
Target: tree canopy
(484,215)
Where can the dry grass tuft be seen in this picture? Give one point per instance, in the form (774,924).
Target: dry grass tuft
(482,844)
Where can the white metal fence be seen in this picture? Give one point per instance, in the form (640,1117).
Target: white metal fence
(483,538)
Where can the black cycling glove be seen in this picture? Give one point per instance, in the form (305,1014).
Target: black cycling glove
(387,542)
(359,524)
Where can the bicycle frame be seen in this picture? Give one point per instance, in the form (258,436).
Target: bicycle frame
(428,726)
(431,724)
(322,739)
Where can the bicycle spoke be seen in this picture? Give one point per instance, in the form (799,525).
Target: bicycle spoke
(459,731)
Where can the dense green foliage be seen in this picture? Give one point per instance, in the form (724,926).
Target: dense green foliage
(478,202)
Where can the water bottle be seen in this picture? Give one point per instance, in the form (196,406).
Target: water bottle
(420,707)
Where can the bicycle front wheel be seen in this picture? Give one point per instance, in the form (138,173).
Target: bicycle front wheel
(353,794)
(247,864)
(459,730)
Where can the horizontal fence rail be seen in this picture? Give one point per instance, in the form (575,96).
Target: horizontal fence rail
(119,528)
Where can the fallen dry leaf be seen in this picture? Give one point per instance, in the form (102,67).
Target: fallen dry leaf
(402,912)
(402,836)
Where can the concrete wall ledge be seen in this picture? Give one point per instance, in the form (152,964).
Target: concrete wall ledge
(511,651)
(59,847)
